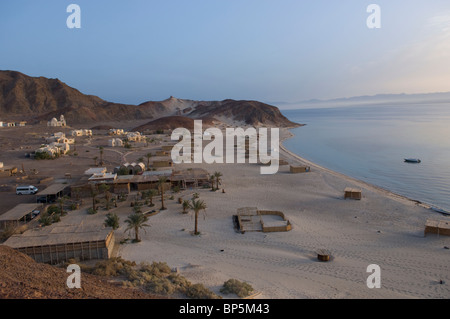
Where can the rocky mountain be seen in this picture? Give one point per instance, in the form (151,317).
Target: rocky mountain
(40,99)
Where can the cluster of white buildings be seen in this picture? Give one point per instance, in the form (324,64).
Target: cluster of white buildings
(134,136)
(12,124)
(57,144)
(83,132)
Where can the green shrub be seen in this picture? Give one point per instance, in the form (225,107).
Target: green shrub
(156,268)
(112,267)
(53,209)
(160,286)
(45,219)
(91,211)
(42,156)
(241,289)
(199,291)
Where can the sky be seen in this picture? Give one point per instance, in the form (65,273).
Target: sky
(271,51)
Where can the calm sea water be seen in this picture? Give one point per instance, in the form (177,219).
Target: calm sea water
(370,143)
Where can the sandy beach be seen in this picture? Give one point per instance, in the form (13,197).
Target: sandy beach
(383,228)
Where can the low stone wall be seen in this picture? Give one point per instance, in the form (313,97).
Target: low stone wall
(269,229)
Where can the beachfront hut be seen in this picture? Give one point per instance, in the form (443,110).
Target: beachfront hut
(352,193)
(439,227)
(299,169)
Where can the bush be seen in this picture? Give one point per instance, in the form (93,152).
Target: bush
(160,286)
(199,291)
(45,219)
(53,209)
(42,156)
(7,232)
(155,269)
(112,267)
(241,289)
(91,211)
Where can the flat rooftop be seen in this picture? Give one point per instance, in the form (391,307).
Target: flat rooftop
(19,211)
(58,234)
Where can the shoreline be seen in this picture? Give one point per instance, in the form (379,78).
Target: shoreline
(287,134)
(383,228)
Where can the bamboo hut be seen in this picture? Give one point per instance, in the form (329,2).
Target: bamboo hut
(439,227)
(299,169)
(352,193)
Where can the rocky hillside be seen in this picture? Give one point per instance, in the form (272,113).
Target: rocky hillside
(40,99)
(22,278)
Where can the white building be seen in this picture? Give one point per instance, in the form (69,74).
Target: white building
(115,142)
(55,123)
(55,148)
(134,136)
(81,132)
(117,131)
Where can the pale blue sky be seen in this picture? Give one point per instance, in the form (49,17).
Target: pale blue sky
(288,50)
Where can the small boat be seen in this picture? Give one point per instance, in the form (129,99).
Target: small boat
(412,160)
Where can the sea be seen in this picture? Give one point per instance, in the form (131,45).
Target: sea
(370,143)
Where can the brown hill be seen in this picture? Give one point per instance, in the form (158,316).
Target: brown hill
(40,99)
(249,112)
(173,122)
(22,278)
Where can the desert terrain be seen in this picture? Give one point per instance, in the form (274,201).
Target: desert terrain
(382,228)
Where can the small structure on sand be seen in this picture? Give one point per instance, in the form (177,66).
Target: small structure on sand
(252,219)
(352,193)
(299,169)
(323,255)
(439,227)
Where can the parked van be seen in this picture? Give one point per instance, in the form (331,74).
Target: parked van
(26,190)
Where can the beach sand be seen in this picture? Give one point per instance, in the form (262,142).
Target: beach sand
(382,228)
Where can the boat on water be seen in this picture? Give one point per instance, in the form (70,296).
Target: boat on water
(412,160)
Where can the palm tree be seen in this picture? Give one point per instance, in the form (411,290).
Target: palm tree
(152,193)
(186,206)
(212,179)
(136,221)
(148,155)
(105,190)
(197,206)
(161,181)
(217,175)
(94,193)
(112,220)
(61,202)
(101,155)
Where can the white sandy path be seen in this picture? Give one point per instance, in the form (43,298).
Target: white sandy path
(381,229)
